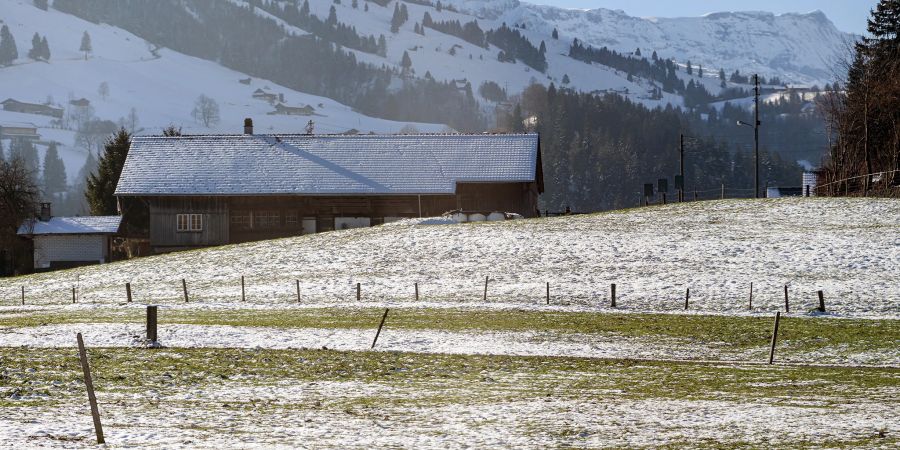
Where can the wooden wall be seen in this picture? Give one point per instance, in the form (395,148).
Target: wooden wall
(223,223)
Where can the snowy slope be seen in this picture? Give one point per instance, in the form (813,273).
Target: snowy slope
(161,89)
(800,48)
(849,248)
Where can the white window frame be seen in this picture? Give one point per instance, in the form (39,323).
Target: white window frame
(187,223)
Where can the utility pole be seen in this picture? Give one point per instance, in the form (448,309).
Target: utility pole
(681,151)
(756,134)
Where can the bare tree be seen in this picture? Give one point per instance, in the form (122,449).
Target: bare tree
(19,196)
(206,111)
(103,90)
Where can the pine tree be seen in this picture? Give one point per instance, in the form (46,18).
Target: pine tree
(555,34)
(565,79)
(543,48)
(102,185)
(690,69)
(8,50)
(332,17)
(86,44)
(366,7)
(54,171)
(406,62)
(700,71)
(304,10)
(722,74)
(654,56)
(637,52)
(382,46)
(355,4)
(35,52)
(439,7)
(45,49)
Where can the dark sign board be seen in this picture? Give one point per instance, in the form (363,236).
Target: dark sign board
(648,190)
(663,185)
(679,182)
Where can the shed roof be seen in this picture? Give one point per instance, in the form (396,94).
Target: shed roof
(324,165)
(72,225)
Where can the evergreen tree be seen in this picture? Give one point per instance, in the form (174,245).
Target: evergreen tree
(54,171)
(565,79)
(45,49)
(555,34)
(637,52)
(332,17)
(102,184)
(304,10)
(382,46)
(355,4)
(35,53)
(8,50)
(654,56)
(439,7)
(543,48)
(406,62)
(690,69)
(722,74)
(86,44)
(700,71)
(366,7)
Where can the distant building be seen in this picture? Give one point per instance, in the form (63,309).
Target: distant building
(267,96)
(65,242)
(281,108)
(19,131)
(221,189)
(81,102)
(31,108)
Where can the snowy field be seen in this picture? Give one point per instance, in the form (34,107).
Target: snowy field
(452,370)
(848,248)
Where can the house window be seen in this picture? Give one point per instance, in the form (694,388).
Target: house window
(241,220)
(266,220)
(291,219)
(189,222)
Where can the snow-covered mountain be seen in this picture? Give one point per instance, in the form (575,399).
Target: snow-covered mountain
(800,48)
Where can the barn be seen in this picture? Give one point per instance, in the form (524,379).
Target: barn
(65,242)
(220,189)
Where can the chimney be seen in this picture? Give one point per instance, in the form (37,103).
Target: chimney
(45,212)
(248,126)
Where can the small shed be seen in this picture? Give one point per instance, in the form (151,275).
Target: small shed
(65,242)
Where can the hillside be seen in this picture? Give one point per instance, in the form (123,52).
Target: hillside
(159,85)
(845,247)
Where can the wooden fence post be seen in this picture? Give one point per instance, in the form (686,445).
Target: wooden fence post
(23,295)
(243,291)
(722,197)
(358,292)
(548,292)
(86,368)
(128,291)
(751,296)
(687,298)
(379,326)
(695,196)
(151,324)
(774,337)
(184,288)
(298,290)
(821,301)
(417,291)
(485,287)
(612,291)
(787,306)
(73,295)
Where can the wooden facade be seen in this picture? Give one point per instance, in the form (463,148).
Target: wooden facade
(234,219)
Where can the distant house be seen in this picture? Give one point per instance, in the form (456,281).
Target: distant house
(31,108)
(245,80)
(267,96)
(281,108)
(220,189)
(19,131)
(81,102)
(64,242)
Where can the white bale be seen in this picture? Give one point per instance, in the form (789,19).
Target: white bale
(496,217)
(477,217)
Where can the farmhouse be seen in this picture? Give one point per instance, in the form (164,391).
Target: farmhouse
(19,131)
(31,108)
(213,190)
(64,242)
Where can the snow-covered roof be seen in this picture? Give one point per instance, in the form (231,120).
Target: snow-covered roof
(322,165)
(72,225)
